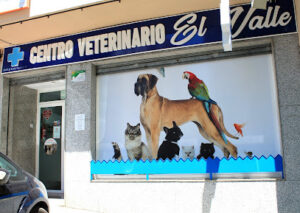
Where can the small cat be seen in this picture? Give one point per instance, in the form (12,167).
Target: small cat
(135,148)
(188,152)
(169,148)
(249,154)
(206,150)
(117,151)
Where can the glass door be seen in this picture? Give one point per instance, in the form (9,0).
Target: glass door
(51,145)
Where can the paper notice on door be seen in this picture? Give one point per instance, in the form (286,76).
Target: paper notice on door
(79,122)
(56,132)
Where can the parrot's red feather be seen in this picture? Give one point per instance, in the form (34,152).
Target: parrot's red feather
(193,78)
(191,86)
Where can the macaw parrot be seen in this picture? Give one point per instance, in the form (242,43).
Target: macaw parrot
(198,90)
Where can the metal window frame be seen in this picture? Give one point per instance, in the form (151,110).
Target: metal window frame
(184,55)
(179,56)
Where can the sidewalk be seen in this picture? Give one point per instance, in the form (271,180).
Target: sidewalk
(58,206)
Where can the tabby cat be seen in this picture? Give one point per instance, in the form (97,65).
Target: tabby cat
(135,148)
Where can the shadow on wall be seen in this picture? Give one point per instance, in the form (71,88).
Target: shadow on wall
(22,127)
(208,195)
(288,190)
(287,62)
(288,196)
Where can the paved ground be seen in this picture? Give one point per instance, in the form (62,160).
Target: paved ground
(58,206)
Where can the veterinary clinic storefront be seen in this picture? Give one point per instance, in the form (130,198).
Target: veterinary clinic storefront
(154,116)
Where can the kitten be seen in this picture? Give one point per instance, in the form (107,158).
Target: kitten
(206,150)
(135,148)
(249,154)
(117,151)
(169,148)
(188,152)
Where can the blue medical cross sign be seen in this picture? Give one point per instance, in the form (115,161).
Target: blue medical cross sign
(15,57)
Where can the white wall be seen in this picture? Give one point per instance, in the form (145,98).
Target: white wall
(39,7)
(201,197)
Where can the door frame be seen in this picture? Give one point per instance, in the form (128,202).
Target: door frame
(38,122)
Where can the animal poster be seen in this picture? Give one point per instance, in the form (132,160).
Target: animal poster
(223,108)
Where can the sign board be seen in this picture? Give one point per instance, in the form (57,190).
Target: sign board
(196,28)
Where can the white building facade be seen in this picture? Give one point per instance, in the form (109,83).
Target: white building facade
(70,86)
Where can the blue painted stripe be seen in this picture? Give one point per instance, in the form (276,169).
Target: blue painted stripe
(14,195)
(30,200)
(202,166)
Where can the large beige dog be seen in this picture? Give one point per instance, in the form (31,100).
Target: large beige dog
(157,112)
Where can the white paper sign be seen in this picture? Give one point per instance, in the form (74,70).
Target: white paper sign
(79,122)
(56,132)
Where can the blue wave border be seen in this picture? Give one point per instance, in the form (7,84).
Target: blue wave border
(202,166)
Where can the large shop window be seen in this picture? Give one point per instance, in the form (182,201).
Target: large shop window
(211,119)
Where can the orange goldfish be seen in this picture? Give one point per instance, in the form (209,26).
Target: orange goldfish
(238,128)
